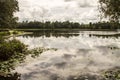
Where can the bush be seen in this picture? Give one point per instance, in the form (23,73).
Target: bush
(11,53)
(1,39)
(113,74)
(10,76)
(5,33)
(9,49)
(15,32)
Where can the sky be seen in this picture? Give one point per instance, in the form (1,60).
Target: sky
(82,11)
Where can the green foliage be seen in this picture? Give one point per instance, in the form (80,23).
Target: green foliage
(15,32)
(68,25)
(112,74)
(10,76)
(37,51)
(5,33)
(11,33)
(9,49)
(11,53)
(7,9)
(110,9)
(1,39)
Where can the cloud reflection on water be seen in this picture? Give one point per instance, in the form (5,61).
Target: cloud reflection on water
(75,56)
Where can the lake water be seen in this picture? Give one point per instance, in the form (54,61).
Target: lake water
(78,53)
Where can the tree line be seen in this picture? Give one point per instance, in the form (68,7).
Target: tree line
(67,25)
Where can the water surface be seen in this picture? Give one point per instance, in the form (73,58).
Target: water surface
(78,53)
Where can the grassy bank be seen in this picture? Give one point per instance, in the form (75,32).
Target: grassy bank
(12,32)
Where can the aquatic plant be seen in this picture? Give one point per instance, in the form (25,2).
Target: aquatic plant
(10,49)
(37,51)
(112,74)
(11,52)
(10,76)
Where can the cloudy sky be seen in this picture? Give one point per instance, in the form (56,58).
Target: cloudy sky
(61,10)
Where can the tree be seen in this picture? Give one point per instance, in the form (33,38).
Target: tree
(110,9)
(7,9)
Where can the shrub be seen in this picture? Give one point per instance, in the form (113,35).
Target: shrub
(113,74)
(9,49)
(15,32)
(1,39)
(11,53)
(6,33)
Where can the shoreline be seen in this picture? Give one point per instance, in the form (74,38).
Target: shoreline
(62,29)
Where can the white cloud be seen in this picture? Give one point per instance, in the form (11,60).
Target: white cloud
(60,10)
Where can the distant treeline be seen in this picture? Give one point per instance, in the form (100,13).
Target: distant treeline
(67,25)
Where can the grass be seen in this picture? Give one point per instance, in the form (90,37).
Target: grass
(5,33)
(11,33)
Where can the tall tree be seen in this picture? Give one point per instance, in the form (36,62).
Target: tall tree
(7,9)
(110,9)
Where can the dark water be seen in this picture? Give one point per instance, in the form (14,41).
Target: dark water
(80,55)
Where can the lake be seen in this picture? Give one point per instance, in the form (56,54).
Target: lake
(85,53)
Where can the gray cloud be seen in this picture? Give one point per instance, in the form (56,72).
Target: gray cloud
(68,0)
(60,10)
(82,3)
